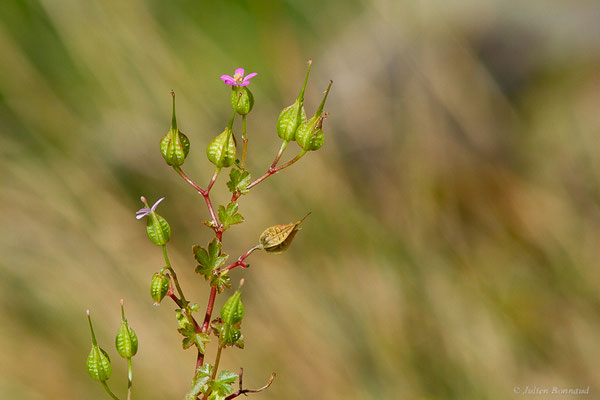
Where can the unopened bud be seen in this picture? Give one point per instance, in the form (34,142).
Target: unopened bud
(174,146)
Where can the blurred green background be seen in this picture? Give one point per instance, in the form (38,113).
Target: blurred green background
(454,242)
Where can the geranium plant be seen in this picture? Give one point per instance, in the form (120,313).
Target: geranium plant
(224,330)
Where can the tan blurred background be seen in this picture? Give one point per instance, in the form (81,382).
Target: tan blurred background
(454,242)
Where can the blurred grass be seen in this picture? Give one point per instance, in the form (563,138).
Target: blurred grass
(453,248)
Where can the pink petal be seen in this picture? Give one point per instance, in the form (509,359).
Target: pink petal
(156,204)
(252,75)
(244,83)
(228,79)
(239,71)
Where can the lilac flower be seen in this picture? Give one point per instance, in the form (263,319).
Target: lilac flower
(238,78)
(142,212)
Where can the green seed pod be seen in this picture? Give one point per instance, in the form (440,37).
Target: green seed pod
(221,150)
(126,340)
(292,116)
(278,238)
(242,99)
(174,146)
(98,362)
(310,133)
(159,287)
(158,229)
(232,311)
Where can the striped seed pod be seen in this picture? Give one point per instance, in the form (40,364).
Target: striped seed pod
(278,238)
(310,133)
(174,146)
(159,287)
(126,340)
(242,99)
(98,362)
(221,150)
(292,116)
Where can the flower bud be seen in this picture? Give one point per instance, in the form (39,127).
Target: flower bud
(292,116)
(98,362)
(159,287)
(221,150)
(242,99)
(174,146)
(310,133)
(126,340)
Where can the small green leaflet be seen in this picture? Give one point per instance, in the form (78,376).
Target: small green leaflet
(221,386)
(210,260)
(229,216)
(188,330)
(221,281)
(239,180)
(199,383)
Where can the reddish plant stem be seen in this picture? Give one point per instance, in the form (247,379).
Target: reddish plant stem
(206,194)
(244,391)
(209,309)
(240,260)
(271,171)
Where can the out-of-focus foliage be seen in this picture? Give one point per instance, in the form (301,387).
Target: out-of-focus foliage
(454,242)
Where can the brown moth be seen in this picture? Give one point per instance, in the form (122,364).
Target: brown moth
(278,238)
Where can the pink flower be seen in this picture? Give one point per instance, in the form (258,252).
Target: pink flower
(142,212)
(238,78)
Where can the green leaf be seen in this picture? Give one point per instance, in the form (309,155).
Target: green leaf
(229,216)
(194,307)
(221,386)
(188,330)
(210,260)
(238,182)
(197,339)
(200,381)
(232,311)
(221,281)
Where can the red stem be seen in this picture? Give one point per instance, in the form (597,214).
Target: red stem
(271,171)
(206,194)
(209,309)
(240,260)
